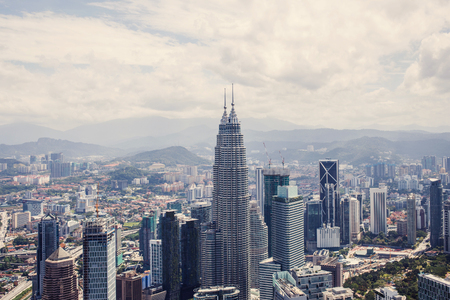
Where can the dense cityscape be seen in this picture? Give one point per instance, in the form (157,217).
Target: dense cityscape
(235,228)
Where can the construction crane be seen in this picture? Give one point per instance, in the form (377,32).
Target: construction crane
(267,154)
(282,158)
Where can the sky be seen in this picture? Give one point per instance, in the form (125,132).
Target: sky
(337,64)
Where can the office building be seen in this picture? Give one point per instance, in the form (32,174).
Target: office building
(345,224)
(312,280)
(190,258)
(432,287)
(329,192)
(48,242)
(435,212)
(258,242)
(20,219)
(336,268)
(429,162)
(231,209)
(170,254)
(273,178)
(378,218)
(287,228)
(156,262)
(446,225)
(338,293)
(313,221)
(354,219)
(201,211)
(147,232)
(99,249)
(60,280)
(217,293)
(35,207)
(211,255)
(328,237)
(285,287)
(266,270)
(129,286)
(402,227)
(411,210)
(259,177)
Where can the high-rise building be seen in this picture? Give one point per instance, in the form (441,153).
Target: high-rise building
(48,242)
(60,280)
(35,207)
(411,209)
(432,287)
(350,220)
(99,249)
(378,221)
(336,268)
(345,224)
(429,162)
(211,255)
(313,221)
(129,286)
(258,242)
(156,262)
(266,270)
(20,219)
(329,191)
(355,220)
(446,213)
(359,197)
(231,209)
(170,254)
(201,211)
(435,212)
(190,257)
(287,228)
(147,232)
(260,188)
(273,178)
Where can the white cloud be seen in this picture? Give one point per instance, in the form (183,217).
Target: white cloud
(310,62)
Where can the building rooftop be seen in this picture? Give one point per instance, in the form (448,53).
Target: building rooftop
(59,254)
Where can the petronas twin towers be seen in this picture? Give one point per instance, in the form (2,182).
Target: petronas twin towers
(231,207)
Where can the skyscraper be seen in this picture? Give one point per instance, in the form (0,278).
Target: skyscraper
(446,212)
(329,191)
(273,178)
(378,221)
(211,255)
(190,257)
(345,226)
(156,262)
(313,221)
(60,280)
(147,232)
(435,212)
(99,259)
(48,242)
(258,242)
(287,228)
(170,254)
(129,286)
(231,209)
(411,221)
(201,211)
(260,188)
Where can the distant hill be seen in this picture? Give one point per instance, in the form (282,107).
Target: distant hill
(70,149)
(169,156)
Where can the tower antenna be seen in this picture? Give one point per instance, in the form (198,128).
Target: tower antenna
(225,98)
(232,95)
(282,158)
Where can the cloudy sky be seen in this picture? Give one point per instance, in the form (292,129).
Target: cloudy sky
(339,64)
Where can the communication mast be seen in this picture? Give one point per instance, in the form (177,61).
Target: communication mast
(267,154)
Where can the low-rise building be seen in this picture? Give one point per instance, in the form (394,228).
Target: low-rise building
(312,280)
(285,287)
(389,293)
(338,293)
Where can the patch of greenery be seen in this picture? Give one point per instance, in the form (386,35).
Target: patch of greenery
(8,189)
(21,295)
(128,173)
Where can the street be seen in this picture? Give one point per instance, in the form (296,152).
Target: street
(17,290)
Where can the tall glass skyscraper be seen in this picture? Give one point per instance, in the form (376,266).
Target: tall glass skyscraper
(48,242)
(231,208)
(378,218)
(329,191)
(435,212)
(411,224)
(147,232)
(170,238)
(99,259)
(273,178)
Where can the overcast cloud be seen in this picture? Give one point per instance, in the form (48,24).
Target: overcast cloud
(339,64)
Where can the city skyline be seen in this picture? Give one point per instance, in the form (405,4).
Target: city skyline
(171,58)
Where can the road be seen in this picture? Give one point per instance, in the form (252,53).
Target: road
(422,246)
(17,290)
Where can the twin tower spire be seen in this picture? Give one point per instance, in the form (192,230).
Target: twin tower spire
(232,118)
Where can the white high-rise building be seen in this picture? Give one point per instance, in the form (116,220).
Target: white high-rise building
(354,220)
(378,221)
(156,262)
(99,259)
